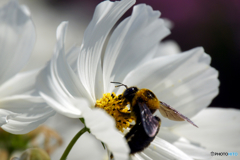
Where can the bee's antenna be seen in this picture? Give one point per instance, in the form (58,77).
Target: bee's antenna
(120,84)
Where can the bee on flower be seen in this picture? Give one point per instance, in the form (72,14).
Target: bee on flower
(77,84)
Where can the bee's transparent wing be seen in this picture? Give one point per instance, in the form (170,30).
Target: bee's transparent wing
(150,123)
(172,114)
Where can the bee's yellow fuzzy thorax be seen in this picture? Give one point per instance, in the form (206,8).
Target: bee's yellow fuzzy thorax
(152,102)
(113,105)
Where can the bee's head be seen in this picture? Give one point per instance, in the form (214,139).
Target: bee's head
(129,93)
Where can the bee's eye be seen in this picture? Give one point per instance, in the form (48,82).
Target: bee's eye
(133,89)
(149,94)
(130,92)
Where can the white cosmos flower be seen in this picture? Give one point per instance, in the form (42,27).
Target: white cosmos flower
(20,110)
(72,82)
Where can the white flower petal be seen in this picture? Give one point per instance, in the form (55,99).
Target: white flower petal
(17,38)
(194,151)
(72,57)
(63,73)
(96,120)
(62,104)
(131,43)
(53,94)
(161,149)
(22,83)
(184,81)
(5,115)
(141,156)
(218,130)
(89,65)
(166,134)
(103,127)
(168,23)
(167,48)
(61,84)
(30,113)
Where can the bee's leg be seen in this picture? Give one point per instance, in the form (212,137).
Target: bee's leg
(111,156)
(124,112)
(125,102)
(132,131)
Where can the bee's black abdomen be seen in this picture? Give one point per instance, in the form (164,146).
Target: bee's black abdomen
(138,139)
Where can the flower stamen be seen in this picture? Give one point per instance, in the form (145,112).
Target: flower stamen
(115,107)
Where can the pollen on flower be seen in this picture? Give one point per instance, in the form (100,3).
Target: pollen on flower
(113,105)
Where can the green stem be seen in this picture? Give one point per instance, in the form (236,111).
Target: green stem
(73,141)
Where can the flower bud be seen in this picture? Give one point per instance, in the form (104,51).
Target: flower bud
(33,154)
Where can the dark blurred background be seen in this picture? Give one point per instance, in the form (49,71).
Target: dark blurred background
(213,24)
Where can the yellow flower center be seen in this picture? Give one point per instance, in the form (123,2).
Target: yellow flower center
(115,107)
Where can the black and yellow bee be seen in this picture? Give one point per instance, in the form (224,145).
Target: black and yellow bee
(143,104)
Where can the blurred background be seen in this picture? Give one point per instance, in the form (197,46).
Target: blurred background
(214,24)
